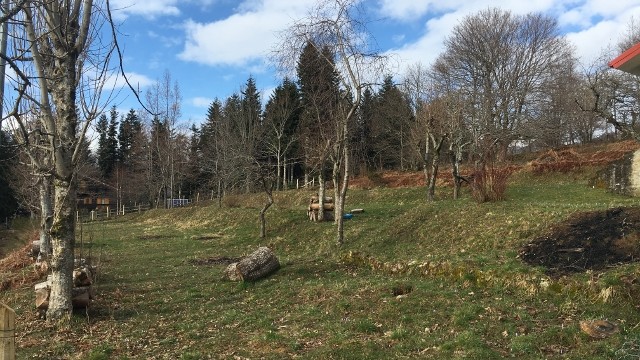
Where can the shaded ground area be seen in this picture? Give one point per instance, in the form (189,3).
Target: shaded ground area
(589,240)
(216,260)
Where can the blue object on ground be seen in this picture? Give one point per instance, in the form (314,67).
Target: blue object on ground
(347,216)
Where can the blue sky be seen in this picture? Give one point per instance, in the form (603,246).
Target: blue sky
(211,47)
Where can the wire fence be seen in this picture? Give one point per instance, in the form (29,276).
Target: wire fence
(106,213)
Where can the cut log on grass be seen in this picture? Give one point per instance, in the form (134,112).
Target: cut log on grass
(80,296)
(42,295)
(259,264)
(357,211)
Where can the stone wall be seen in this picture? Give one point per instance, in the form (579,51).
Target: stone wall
(621,176)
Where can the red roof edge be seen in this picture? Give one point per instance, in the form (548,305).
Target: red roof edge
(625,56)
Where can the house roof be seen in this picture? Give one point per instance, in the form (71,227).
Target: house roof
(628,61)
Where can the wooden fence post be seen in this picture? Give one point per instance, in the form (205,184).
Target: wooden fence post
(7,333)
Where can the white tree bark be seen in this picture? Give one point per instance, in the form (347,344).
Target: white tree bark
(46,216)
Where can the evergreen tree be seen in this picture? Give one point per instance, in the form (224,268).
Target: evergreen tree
(105,161)
(363,145)
(210,146)
(8,202)
(194,176)
(320,97)
(389,126)
(107,143)
(130,128)
(251,109)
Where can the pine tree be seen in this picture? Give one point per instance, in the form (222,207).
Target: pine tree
(389,126)
(105,162)
(320,96)
(129,130)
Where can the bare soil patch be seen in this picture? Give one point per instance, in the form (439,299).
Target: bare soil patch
(593,240)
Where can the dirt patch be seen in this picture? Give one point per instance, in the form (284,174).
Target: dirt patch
(592,240)
(216,260)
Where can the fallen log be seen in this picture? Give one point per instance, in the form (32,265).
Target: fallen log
(259,264)
(80,296)
(42,297)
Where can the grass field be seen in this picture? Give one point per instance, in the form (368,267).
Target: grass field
(467,295)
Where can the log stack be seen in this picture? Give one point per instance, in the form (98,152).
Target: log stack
(314,208)
(81,293)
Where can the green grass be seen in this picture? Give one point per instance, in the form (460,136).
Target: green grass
(471,297)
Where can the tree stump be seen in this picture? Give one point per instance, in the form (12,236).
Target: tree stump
(261,263)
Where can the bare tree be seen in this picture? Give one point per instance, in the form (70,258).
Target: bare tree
(503,61)
(164,102)
(613,95)
(59,68)
(337,25)
(282,114)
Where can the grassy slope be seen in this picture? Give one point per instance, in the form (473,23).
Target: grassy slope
(472,298)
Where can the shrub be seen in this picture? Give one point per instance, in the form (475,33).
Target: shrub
(489,183)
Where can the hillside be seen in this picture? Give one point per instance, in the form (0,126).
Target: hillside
(441,280)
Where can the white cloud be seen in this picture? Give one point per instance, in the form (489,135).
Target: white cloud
(124,8)
(590,25)
(201,102)
(242,38)
(405,9)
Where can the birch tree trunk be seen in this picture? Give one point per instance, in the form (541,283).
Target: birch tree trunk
(345,180)
(46,216)
(63,243)
(321,193)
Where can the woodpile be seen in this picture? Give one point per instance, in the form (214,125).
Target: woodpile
(314,208)
(81,293)
(259,264)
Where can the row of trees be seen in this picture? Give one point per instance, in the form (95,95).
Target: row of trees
(505,82)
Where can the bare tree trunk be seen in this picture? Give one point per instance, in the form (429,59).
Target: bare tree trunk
(321,193)
(456,157)
(437,146)
(425,162)
(268,189)
(335,178)
(343,190)
(220,192)
(284,174)
(278,171)
(46,216)
(63,241)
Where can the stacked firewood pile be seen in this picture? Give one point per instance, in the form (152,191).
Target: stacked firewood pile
(81,293)
(314,208)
